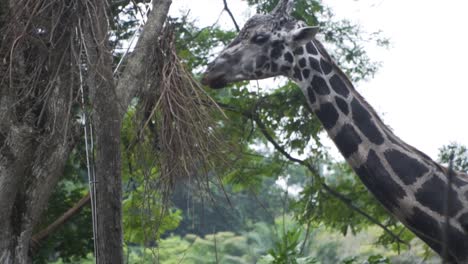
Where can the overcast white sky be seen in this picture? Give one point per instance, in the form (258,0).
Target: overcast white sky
(419,91)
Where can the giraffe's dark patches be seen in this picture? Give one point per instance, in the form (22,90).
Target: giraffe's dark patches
(377,179)
(306,73)
(249,67)
(235,59)
(259,73)
(311,49)
(314,64)
(275,53)
(339,86)
(393,139)
(424,223)
(261,61)
(458,244)
(320,86)
(285,68)
(321,50)
(326,66)
(302,35)
(464,221)
(342,105)
(364,122)
(421,222)
(327,115)
(297,74)
(311,95)
(299,51)
(435,245)
(274,67)
(458,181)
(407,168)
(277,49)
(302,62)
(278,44)
(348,140)
(431,195)
(289,57)
(266,66)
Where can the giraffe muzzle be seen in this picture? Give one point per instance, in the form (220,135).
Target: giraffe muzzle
(216,82)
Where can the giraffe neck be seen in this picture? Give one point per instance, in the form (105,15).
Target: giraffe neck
(348,119)
(405,181)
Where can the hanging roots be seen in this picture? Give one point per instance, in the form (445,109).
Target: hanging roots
(39,62)
(180,116)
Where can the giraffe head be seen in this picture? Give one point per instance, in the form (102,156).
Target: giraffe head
(264,48)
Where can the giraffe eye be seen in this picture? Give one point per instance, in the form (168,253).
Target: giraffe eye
(259,38)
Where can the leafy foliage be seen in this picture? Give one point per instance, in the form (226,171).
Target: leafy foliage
(288,249)
(145,221)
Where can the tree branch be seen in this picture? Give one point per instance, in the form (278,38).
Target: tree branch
(314,171)
(231,15)
(132,79)
(65,217)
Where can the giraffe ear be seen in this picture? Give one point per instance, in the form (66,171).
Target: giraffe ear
(303,35)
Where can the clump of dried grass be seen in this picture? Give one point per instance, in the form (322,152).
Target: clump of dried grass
(181,115)
(177,140)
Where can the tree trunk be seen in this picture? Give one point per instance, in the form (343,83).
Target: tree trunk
(29,170)
(35,136)
(107,123)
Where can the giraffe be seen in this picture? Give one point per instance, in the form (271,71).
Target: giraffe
(408,183)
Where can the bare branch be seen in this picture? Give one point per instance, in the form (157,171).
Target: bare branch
(231,15)
(64,218)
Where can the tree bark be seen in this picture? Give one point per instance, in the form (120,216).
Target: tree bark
(32,155)
(107,121)
(15,159)
(29,170)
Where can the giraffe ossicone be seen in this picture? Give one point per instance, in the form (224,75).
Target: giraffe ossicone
(405,181)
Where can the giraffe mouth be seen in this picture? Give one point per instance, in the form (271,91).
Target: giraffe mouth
(217,82)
